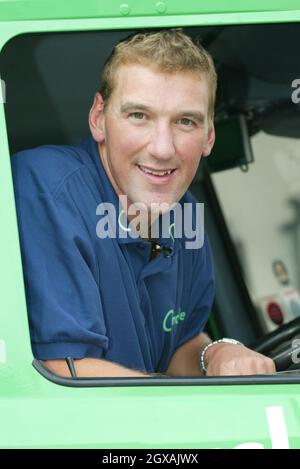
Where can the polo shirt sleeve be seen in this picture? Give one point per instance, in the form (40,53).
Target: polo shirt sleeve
(60,272)
(202,293)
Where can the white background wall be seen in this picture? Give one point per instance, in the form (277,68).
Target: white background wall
(258,210)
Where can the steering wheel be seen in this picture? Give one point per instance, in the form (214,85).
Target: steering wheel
(288,358)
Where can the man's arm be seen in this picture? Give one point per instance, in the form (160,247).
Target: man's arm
(185,361)
(93,368)
(221,359)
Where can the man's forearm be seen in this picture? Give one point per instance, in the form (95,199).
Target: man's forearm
(185,361)
(94,368)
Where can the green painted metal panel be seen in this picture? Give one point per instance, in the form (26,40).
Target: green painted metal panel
(13,316)
(50,416)
(45,9)
(27,16)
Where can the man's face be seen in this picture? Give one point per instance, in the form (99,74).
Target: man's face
(153,133)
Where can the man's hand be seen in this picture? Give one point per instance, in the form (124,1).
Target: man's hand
(230,359)
(220,359)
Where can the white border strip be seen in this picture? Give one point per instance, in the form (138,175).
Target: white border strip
(277,427)
(2,351)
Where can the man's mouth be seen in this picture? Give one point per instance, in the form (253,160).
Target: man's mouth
(156,172)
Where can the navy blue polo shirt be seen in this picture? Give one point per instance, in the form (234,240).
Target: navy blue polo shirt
(93,297)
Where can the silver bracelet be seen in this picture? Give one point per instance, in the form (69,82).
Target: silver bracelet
(225,340)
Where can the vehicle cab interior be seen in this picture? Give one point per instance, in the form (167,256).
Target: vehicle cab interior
(249,184)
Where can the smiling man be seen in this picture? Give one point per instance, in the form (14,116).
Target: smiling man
(163,129)
(126,305)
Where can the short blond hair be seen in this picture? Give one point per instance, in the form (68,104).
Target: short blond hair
(168,51)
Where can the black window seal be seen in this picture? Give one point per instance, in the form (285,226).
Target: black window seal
(287,377)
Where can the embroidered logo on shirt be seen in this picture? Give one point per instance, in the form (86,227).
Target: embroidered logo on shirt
(171,320)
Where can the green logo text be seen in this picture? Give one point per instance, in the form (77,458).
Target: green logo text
(170,320)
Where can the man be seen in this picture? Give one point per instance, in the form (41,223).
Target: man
(117,305)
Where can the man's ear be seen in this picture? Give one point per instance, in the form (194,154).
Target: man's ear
(96,119)
(211,136)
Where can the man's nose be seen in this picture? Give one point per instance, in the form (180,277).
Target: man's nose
(161,144)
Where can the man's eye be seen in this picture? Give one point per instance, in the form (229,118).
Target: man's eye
(187,122)
(137,115)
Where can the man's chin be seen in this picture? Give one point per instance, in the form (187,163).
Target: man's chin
(154,204)
(159,207)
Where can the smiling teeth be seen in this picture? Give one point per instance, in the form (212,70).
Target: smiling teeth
(156,173)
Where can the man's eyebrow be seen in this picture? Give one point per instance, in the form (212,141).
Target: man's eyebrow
(130,106)
(197,115)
